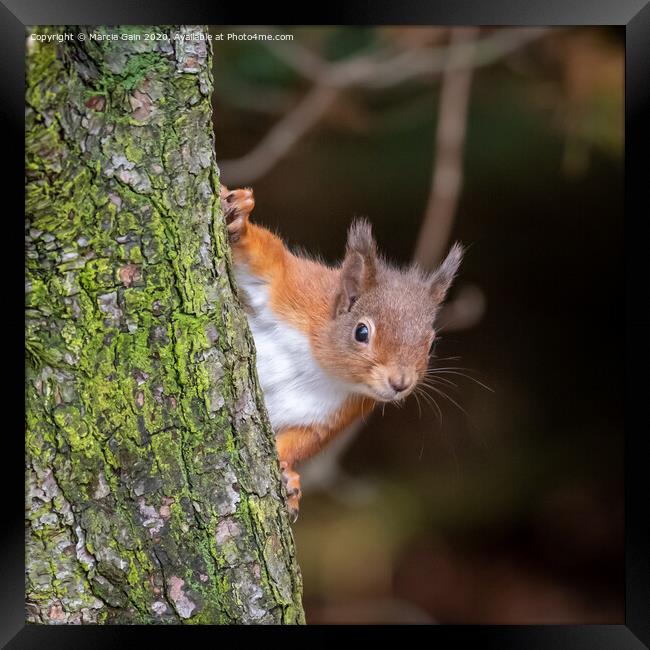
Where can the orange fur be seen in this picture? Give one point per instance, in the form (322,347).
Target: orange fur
(300,290)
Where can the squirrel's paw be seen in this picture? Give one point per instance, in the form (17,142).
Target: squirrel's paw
(236,206)
(291,480)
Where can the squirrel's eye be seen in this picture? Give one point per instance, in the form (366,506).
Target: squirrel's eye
(361,333)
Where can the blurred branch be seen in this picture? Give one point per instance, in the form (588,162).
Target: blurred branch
(447,176)
(381,69)
(301,59)
(377,70)
(464,311)
(447,172)
(279,140)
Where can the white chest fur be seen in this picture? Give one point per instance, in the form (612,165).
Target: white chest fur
(297,391)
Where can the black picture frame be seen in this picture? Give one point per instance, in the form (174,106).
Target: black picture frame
(634,15)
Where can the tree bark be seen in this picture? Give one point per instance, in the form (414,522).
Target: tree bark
(153,487)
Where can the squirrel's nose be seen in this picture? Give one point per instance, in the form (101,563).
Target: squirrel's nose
(399,383)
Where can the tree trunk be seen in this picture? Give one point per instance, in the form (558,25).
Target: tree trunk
(153,487)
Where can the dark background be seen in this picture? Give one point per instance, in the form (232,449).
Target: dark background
(511,510)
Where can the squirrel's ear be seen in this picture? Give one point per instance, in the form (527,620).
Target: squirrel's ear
(359,266)
(443,276)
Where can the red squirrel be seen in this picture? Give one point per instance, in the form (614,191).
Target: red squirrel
(331,342)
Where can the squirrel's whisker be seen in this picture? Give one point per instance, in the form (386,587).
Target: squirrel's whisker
(441,379)
(445,371)
(431,401)
(417,399)
(453,401)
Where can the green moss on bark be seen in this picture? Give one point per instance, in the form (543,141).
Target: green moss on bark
(153,486)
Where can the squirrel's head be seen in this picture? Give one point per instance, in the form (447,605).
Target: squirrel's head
(382,327)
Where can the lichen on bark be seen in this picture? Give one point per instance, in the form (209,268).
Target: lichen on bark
(153,489)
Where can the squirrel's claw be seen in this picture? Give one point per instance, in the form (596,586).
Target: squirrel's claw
(236,206)
(291,480)
(293,505)
(293,514)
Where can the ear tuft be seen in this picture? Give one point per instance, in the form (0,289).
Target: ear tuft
(360,238)
(359,268)
(444,275)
